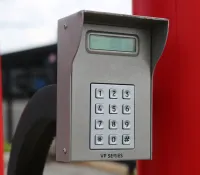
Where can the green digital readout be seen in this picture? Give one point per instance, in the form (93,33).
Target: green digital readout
(112,43)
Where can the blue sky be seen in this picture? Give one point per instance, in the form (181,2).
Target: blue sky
(31,23)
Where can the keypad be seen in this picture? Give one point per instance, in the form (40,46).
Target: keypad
(112,116)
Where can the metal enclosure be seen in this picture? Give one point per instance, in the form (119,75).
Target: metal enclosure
(83,71)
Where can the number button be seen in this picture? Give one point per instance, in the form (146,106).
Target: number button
(99,93)
(99,109)
(126,109)
(99,139)
(113,109)
(113,124)
(126,139)
(99,124)
(126,94)
(113,93)
(112,139)
(126,124)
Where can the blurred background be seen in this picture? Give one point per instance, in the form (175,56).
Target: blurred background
(28,34)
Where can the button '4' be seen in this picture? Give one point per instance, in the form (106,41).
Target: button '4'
(99,108)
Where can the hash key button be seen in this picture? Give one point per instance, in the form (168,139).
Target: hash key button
(126,139)
(99,139)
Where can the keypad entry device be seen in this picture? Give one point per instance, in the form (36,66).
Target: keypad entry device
(112,116)
(104,85)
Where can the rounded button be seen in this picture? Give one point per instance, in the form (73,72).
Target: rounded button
(113,94)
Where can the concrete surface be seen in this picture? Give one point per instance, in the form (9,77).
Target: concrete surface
(54,168)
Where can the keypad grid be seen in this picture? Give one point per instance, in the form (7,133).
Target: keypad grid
(112,116)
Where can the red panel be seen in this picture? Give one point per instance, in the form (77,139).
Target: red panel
(1,127)
(188,16)
(176,115)
(169,120)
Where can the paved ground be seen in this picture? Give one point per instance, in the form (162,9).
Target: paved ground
(54,168)
(62,169)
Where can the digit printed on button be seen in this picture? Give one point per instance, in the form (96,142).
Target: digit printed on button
(126,94)
(99,139)
(113,94)
(99,93)
(126,124)
(126,139)
(126,109)
(112,139)
(99,108)
(112,124)
(113,109)
(99,124)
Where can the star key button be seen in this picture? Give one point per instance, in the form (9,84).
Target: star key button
(99,139)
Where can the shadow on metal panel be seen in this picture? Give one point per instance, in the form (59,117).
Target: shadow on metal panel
(34,134)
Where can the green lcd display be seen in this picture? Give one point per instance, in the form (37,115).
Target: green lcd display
(112,43)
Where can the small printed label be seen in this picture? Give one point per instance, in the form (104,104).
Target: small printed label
(111,156)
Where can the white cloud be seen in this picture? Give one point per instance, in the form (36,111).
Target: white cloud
(25,24)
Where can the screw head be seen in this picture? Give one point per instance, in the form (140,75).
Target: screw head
(65,150)
(65,26)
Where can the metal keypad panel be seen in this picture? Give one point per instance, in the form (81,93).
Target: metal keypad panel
(112,116)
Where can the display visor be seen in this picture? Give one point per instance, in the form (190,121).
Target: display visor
(112,43)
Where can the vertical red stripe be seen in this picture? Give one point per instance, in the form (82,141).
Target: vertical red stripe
(176,98)
(1,127)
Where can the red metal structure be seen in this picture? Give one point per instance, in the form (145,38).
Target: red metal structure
(1,126)
(176,92)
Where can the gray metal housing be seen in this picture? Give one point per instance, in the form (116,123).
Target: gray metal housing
(77,69)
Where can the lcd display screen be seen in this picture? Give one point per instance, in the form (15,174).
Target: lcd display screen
(112,43)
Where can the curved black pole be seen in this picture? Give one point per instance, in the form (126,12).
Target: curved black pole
(34,134)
